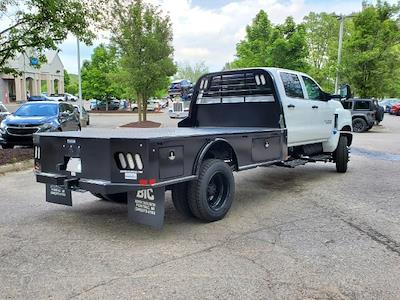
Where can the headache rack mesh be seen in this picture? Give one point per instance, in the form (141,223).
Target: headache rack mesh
(240,86)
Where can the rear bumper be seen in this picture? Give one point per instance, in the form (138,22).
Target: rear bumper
(101,186)
(179,114)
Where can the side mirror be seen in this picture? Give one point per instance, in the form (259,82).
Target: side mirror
(64,114)
(345,91)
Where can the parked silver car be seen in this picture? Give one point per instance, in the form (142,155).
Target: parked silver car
(85,121)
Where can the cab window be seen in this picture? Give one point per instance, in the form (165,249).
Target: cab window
(362,105)
(313,90)
(292,85)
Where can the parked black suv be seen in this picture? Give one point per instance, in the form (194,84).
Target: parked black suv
(363,112)
(33,117)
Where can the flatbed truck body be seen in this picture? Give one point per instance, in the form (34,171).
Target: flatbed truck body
(237,121)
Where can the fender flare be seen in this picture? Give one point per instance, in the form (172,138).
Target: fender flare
(202,153)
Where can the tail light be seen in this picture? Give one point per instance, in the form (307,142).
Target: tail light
(122,160)
(37,152)
(129,161)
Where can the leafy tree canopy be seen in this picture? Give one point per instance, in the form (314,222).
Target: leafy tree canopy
(144,38)
(40,25)
(267,45)
(191,72)
(371,58)
(98,74)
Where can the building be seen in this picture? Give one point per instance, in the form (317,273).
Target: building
(48,77)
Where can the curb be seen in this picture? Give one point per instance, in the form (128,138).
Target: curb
(19,166)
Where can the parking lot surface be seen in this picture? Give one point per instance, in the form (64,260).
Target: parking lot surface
(304,233)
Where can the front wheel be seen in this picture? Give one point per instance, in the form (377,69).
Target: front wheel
(341,155)
(210,196)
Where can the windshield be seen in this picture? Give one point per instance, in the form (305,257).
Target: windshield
(37,110)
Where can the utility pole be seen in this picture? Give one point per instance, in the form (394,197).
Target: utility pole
(79,81)
(341,29)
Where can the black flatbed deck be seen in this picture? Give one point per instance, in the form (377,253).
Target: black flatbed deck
(158,133)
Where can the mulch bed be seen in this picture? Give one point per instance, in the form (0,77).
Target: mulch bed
(144,124)
(10,156)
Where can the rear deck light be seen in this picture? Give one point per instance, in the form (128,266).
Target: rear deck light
(122,160)
(37,152)
(131,163)
(138,161)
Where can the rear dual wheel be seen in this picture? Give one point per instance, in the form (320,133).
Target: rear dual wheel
(210,196)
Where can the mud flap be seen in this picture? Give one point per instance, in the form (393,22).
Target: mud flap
(147,207)
(58,194)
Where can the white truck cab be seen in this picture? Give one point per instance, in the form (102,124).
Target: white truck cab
(311,116)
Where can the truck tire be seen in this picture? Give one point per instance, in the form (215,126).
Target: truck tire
(359,125)
(180,199)
(211,195)
(341,155)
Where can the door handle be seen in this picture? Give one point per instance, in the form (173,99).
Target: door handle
(291,106)
(315,107)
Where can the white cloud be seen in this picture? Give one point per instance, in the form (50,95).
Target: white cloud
(211,34)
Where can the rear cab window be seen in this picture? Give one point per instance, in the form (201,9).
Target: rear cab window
(237,87)
(291,83)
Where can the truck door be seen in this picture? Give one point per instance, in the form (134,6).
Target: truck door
(322,111)
(298,111)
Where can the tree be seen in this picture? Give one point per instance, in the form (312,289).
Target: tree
(40,25)
(144,37)
(322,31)
(193,73)
(98,75)
(371,57)
(274,46)
(67,79)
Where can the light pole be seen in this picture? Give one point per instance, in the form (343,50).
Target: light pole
(341,18)
(79,81)
(341,28)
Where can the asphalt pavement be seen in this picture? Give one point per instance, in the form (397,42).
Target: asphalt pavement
(304,233)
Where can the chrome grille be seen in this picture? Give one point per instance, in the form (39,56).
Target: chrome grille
(178,106)
(25,130)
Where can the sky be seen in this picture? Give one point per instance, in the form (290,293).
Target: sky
(208,30)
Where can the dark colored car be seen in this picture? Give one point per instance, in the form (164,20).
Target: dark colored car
(363,112)
(102,105)
(38,98)
(180,87)
(33,117)
(395,110)
(3,112)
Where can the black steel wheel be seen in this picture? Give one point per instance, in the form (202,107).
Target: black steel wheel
(341,155)
(210,196)
(180,199)
(359,125)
